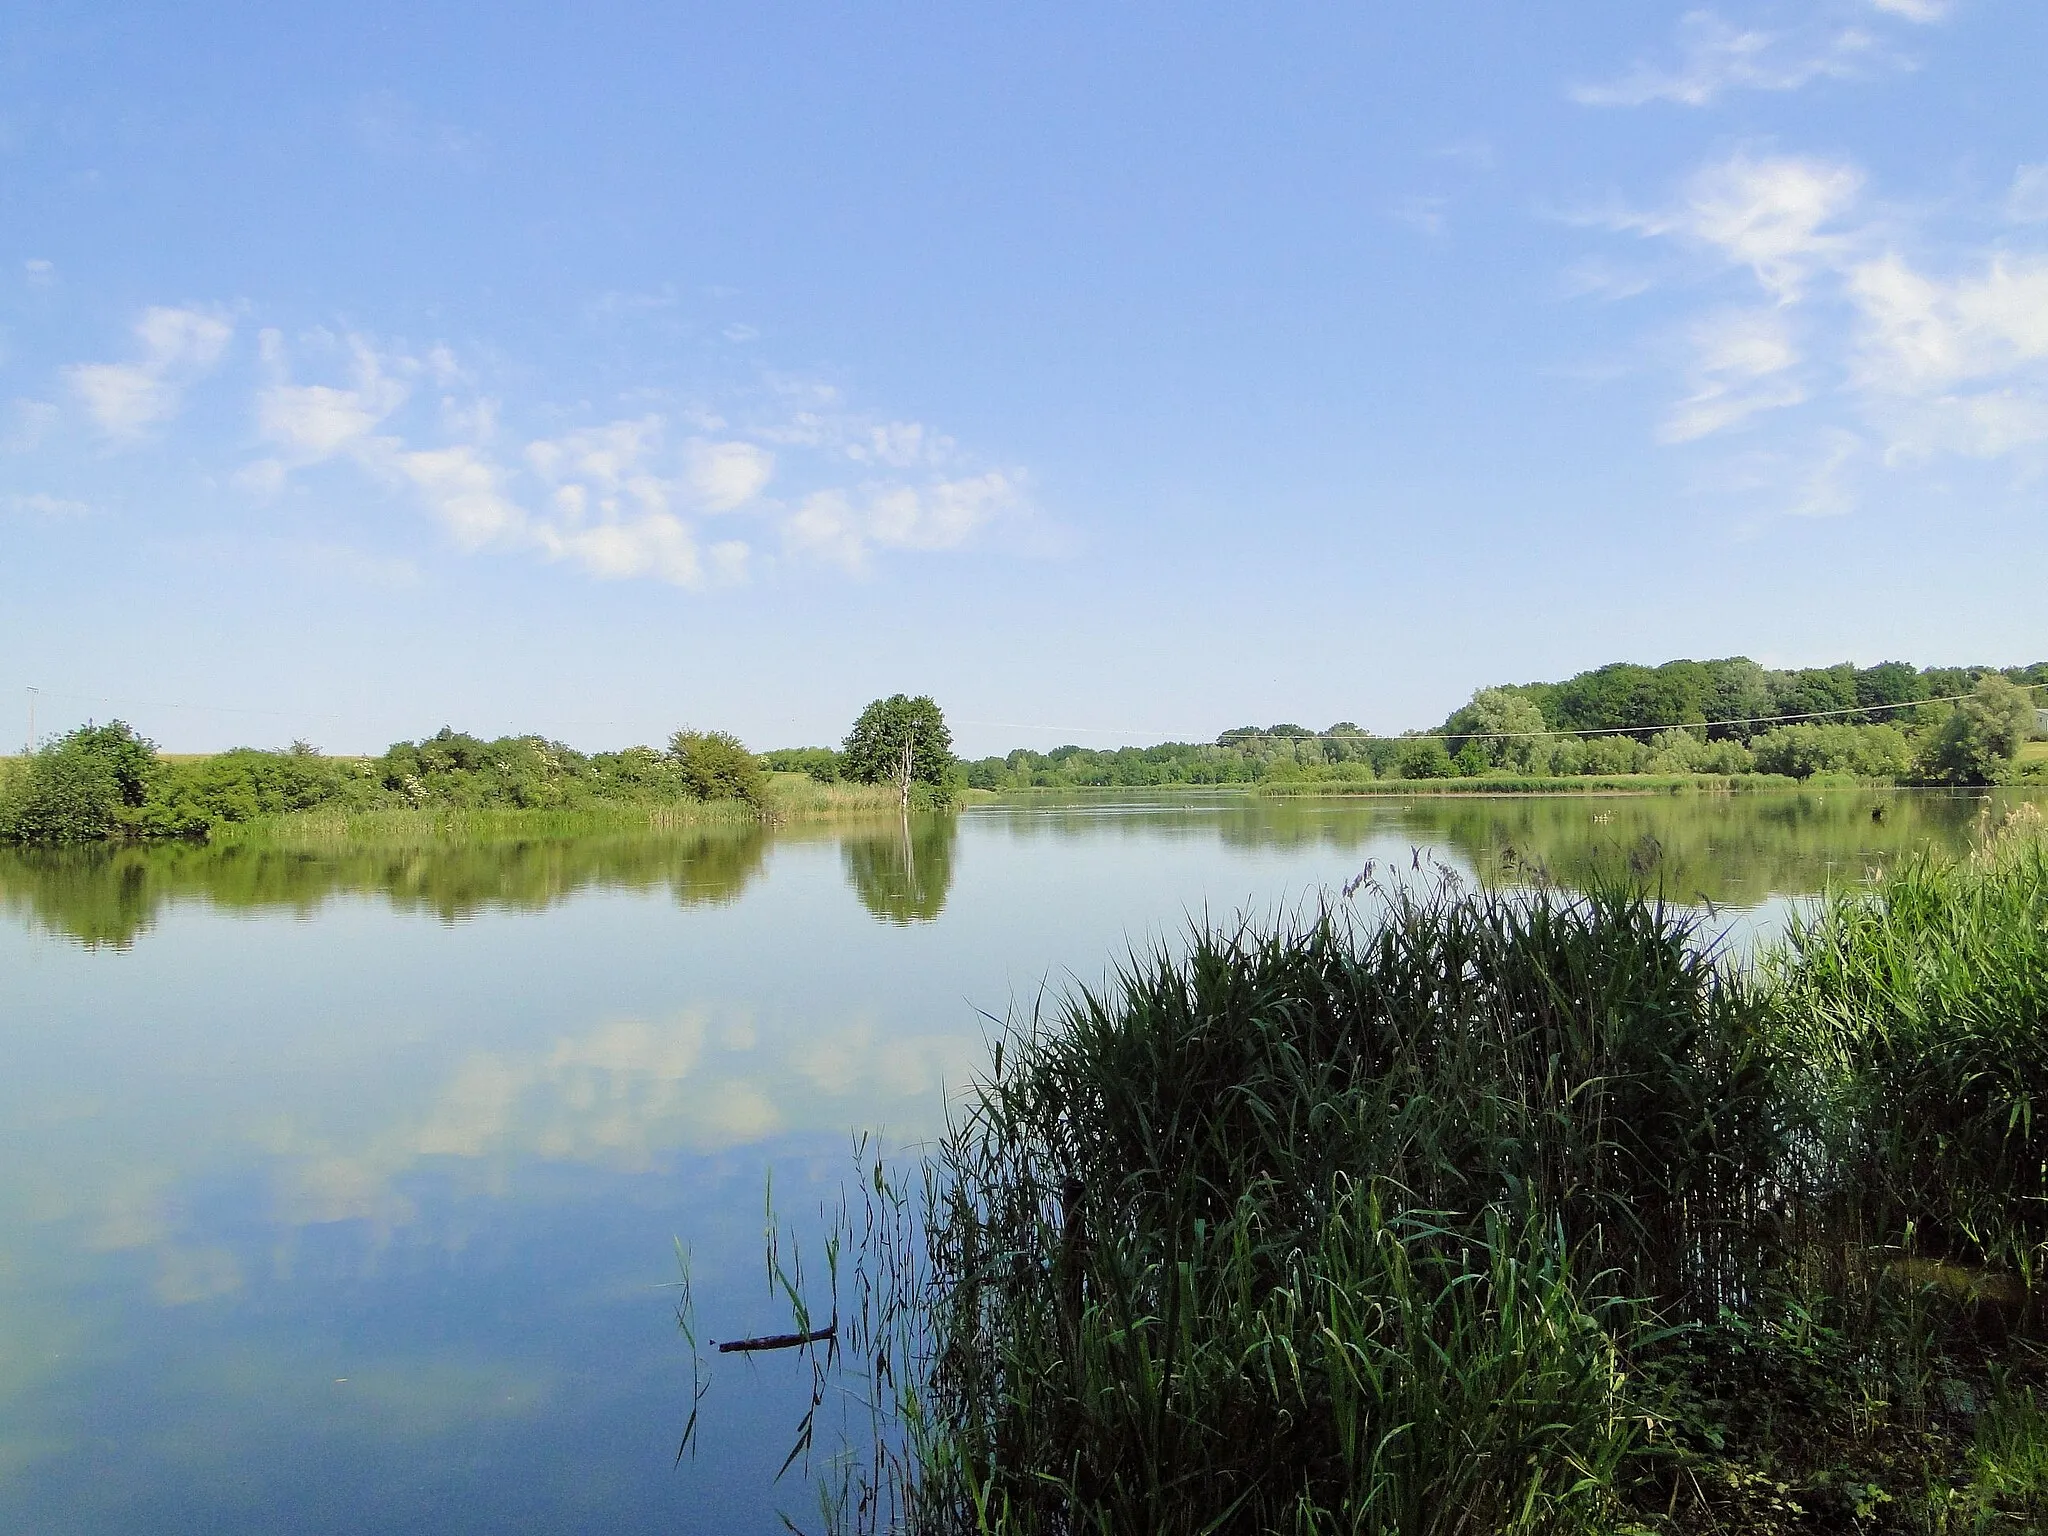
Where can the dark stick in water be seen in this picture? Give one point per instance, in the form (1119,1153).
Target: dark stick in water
(782,1340)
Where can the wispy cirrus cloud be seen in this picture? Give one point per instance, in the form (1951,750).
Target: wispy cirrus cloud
(40,504)
(1888,345)
(2026,201)
(1743,364)
(1716,56)
(1925,12)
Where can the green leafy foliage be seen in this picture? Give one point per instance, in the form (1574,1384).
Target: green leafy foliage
(244,784)
(898,730)
(88,784)
(104,781)
(1981,738)
(715,766)
(1736,697)
(1864,751)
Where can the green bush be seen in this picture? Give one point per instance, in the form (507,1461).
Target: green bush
(86,785)
(716,767)
(240,785)
(1805,749)
(1423,757)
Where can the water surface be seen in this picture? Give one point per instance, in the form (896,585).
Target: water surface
(341,1191)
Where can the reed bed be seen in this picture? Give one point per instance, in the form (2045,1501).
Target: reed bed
(790,798)
(1520,1212)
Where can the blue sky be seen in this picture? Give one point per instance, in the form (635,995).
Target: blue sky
(1110,373)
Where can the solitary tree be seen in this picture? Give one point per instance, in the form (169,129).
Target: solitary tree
(902,741)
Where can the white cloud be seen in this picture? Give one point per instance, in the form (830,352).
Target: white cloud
(1596,278)
(1919,333)
(123,398)
(1474,154)
(42,505)
(728,475)
(311,422)
(1922,11)
(842,527)
(386,125)
(1925,359)
(900,445)
(1718,57)
(1822,489)
(619,499)
(658,545)
(178,347)
(39,273)
(2027,201)
(1772,215)
(464,490)
(607,456)
(1739,362)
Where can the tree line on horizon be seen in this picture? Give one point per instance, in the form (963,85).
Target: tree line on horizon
(1892,722)
(108,781)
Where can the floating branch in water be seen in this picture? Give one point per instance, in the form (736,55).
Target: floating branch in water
(783,1340)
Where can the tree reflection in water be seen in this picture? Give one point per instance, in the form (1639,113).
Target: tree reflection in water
(902,872)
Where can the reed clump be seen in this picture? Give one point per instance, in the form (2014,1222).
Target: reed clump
(1487,1211)
(1917,1017)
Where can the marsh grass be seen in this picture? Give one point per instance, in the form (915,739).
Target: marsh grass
(1916,1014)
(1483,1212)
(790,798)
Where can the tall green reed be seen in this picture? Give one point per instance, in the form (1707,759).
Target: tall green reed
(1482,1211)
(1916,1013)
(1338,1225)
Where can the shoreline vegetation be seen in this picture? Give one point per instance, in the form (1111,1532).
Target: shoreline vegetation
(107,783)
(1448,1210)
(1724,726)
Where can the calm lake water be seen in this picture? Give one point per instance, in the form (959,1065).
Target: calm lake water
(343,1193)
